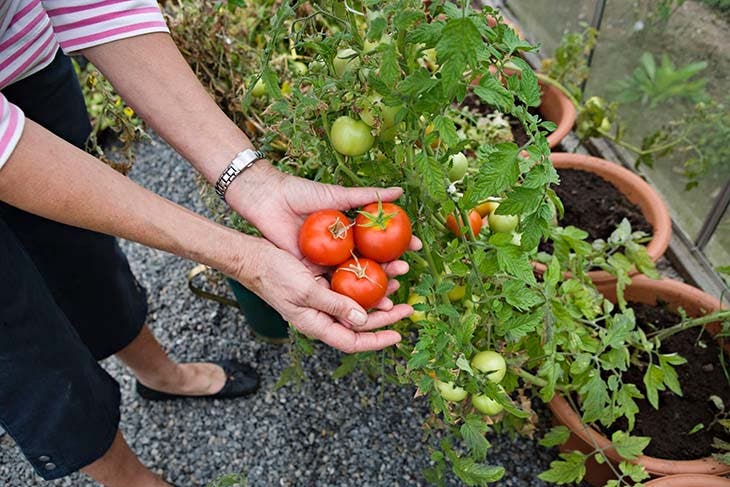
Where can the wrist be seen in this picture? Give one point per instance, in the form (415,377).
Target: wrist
(253,188)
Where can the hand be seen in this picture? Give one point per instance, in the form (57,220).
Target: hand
(278,204)
(306,302)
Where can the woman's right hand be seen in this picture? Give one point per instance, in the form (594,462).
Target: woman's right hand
(306,301)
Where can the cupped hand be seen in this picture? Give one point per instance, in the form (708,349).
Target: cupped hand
(279,207)
(305,300)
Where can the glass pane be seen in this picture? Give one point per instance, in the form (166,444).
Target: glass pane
(718,248)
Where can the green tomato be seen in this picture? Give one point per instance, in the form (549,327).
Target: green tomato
(345,61)
(299,67)
(486,405)
(387,113)
(351,137)
(450,392)
(457,293)
(259,89)
(491,363)
(417,315)
(459,163)
(502,223)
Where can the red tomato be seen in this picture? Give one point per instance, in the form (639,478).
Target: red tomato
(326,238)
(475,220)
(382,231)
(361,279)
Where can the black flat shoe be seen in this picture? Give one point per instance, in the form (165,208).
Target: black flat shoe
(241,380)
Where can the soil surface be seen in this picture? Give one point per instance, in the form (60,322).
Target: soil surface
(702,376)
(594,205)
(519,134)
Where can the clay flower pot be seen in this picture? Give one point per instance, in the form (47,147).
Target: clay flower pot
(585,439)
(689,480)
(557,108)
(636,190)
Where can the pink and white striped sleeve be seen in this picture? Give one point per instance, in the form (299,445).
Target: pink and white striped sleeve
(79,24)
(11,127)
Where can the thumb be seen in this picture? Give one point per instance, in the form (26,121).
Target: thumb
(356,197)
(344,309)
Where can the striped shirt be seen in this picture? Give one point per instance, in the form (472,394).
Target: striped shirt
(31,31)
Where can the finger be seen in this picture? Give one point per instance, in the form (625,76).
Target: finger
(355,197)
(385,304)
(341,307)
(349,341)
(396,268)
(379,319)
(393,286)
(415,243)
(322,281)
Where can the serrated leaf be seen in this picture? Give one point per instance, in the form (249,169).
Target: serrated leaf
(521,200)
(595,397)
(568,470)
(389,69)
(491,92)
(473,431)
(516,263)
(629,447)
(446,130)
(556,436)
(518,296)
(495,175)
(433,179)
(529,90)
(654,382)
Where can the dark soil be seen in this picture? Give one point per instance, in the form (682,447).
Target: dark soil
(594,205)
(701,377)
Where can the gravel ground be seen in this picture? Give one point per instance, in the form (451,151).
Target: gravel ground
(328,433)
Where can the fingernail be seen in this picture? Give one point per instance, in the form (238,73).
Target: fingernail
(357,317)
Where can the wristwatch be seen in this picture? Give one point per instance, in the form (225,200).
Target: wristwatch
(240,163)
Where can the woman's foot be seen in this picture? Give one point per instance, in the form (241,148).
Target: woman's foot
(190,379)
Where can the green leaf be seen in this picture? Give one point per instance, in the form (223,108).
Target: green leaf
(570,469)
(389,69)
(347,365)
(433,178)
(520,325)
(491,91)
(473,431)
(515,262)
(654,382)
(520,297)
(521,200)
(595,397)
(556,436)
(229,480)
(446,130)
(529,91)
(629,447)
(498,171)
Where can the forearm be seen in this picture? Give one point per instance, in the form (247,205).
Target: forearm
(49,177)
(151,75)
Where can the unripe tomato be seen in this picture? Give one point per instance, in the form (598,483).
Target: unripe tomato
(457,293)
(299,67)
(474,220)
(259,89)
(345,61)
(361,279)
(326,238)
(417,315)
(386,114)
(459,163)
(503,223)
(351,137)
(492,363)
(486,405)
(450,392)
(382,231)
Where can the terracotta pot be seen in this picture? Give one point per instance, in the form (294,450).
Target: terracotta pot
(585,438)
(689,480)
(636,190)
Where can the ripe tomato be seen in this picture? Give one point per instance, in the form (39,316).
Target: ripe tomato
(417,315)
(486,405)
(382,231)
(450,392)
(345,61)
(474,220)
(361,279)
(492,363)
(351,137)
(326,238)
(459,163)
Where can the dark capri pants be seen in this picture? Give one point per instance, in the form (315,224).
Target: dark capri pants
(67,300)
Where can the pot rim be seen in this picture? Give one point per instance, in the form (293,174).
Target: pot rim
(668,290)
(636,190)
(689,480)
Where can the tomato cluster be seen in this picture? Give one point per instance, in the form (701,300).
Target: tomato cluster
(380,233)
(487,362)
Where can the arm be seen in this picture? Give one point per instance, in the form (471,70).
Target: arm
(152,76)
(49,177)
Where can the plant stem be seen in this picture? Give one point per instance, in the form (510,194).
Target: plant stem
(535,380)
(633,148)
(686,325)
(552,82)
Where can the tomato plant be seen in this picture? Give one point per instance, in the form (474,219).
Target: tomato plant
(326,238)
(475,221)
(351,137)
(361,279)
(382,231)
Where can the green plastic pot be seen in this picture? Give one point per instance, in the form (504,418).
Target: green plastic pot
(266,323)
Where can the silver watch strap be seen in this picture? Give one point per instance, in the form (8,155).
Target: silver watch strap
(240,163)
